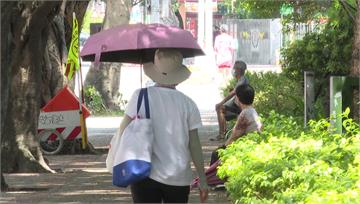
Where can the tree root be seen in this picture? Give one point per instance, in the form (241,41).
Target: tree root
(4,186)
(75,147)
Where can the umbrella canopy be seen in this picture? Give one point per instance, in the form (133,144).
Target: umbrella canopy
(136,43)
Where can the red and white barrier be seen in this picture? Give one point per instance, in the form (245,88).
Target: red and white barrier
(67,123)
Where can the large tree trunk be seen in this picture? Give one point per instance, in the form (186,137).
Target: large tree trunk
(79,7)
(106,78)
(54,56)
(355,69)
(32,57)
(60,34)
(23,44)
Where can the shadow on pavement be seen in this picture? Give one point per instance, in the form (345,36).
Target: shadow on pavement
(84,178)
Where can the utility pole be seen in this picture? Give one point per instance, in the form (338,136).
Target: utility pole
(155,11)
(205,37)
(165,8)
(209,26)
(201,23)
(145,11)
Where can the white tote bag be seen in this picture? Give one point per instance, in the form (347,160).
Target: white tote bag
(115,142)
(129,157)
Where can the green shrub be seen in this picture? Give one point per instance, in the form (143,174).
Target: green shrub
(284,164)
(94,101)
(325,52)
(274,91)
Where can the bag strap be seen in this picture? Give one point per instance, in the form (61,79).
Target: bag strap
(143,94)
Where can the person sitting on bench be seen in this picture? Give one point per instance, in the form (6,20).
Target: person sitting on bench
(227,109)
(247,121)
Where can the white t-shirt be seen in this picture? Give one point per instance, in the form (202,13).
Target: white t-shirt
(172,114)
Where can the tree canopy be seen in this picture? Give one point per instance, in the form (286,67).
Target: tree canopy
(297,11)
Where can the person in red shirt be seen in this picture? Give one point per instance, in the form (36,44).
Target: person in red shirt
(223,48)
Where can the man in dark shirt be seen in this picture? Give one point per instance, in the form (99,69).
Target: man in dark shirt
(227,109)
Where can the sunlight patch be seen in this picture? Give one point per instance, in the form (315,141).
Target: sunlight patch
(96,170)
(94,192)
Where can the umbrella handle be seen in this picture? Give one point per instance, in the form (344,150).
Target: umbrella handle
(97,60)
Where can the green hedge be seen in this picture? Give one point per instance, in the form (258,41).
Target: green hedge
(284,164)
(274,92)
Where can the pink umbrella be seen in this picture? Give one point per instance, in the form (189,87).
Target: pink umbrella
(136,43)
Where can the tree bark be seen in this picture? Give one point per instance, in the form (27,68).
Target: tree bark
(54,56)
(4,185)
(355,68)
(28,30)
(5,74)
(79,7)
(32,52)
(106,79)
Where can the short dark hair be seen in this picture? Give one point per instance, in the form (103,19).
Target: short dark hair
(245,94)
(241,65)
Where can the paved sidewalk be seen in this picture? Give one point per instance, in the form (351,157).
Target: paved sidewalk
(84,179)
